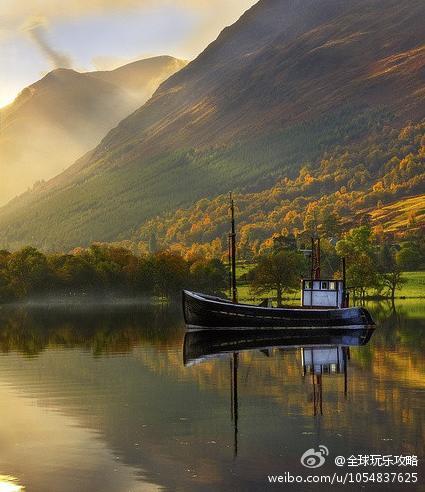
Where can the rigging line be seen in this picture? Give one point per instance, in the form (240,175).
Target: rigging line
(329,264)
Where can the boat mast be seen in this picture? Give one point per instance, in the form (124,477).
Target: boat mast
(345,298)
(229,263)
(233,250)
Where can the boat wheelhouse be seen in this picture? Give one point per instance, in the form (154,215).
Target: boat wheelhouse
(317,292)
(323,293)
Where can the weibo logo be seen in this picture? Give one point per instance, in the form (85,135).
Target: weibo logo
(314,459)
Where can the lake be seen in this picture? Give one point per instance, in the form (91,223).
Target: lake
(113,399)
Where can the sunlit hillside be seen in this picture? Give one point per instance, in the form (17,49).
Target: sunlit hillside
(66,113)
(339,194)
(401,215)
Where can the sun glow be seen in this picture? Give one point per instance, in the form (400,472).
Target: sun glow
(8,484)
(5,100)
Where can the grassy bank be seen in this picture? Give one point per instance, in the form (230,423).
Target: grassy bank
(414,288)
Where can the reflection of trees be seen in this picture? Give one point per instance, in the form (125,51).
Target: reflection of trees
(398,327)
(394,360)
(30,331)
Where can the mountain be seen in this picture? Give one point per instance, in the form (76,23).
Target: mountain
(290,83)
(66,113)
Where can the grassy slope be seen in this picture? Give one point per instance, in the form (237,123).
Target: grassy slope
(400,215)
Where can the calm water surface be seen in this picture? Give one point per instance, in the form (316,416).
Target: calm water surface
(111,400)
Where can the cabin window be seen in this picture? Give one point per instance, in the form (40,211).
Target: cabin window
(332,285)
(324,285)
(308,284)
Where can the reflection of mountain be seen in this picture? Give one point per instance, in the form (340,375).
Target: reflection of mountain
(66,113)
(172,423)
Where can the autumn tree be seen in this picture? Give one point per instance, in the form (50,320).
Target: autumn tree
(73,274)
(29,272)
(171,274)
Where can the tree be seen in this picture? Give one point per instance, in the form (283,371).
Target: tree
(390,271)
(410,257)
(5,291)
(171,274)
(357,247)
(29,271)
(330,222)
(284,241)
(73,274)
(209,276)
(153,243)
(277,271)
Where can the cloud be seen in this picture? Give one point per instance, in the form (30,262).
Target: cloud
(14,12)
(212,16)
(36,27)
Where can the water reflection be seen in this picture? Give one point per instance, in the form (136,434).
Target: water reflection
(324,351)
(8,484)
(102,400)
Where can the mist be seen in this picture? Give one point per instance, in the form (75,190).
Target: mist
(51,124)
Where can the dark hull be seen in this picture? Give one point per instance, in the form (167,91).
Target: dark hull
(204,344)
(204,311)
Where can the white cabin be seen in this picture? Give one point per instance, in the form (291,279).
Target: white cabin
(322,293)
(319,360)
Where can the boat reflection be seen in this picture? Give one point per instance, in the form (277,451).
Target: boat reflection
(324,351)
(201,345)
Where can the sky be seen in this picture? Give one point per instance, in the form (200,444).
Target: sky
(37,36)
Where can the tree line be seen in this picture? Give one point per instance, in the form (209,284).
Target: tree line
(374,265)
(104,270)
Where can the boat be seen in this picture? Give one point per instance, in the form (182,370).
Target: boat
(203,311)
(324,302)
